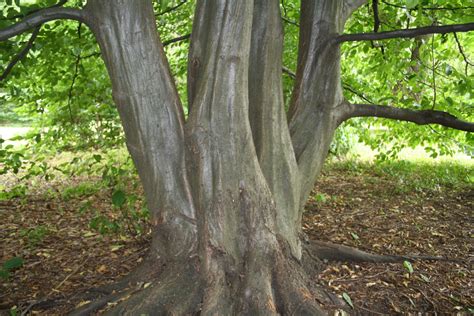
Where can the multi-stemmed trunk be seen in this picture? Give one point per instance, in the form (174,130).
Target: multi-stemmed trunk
(226,186)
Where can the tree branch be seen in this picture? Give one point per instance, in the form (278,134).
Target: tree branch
(22,54)
(354,4)
(461,51)
(176,39)
(351,5)
(288,71)
(20,16)
(430,8)
(39,18)
(422,117)
(408,33)
(168,10)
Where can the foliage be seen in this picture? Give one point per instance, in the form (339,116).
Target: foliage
(428,72)
(413,175)
(10,265)
(62,85)
(34,236)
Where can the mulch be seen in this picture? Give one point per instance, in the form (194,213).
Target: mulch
(63,255)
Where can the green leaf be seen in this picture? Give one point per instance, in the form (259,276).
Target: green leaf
(13,263)
(348,300)
(412,3)
(321,197)
(119,198)
(4,274)
(408,266)
(97,158)
(425,278)
(355,236)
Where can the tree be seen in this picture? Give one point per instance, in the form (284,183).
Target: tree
(226,185)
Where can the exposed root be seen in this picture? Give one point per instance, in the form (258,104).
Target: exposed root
(273,285)
(297,295)
(177,292)
(149,269)
(218,298)
(101,302)
(333,252)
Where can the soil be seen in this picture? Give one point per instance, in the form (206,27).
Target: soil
(64,256)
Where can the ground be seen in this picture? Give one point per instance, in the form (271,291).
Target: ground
(67,248)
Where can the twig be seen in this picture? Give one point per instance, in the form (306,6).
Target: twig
(67,277)
(369,310)
(429,8)
(426,297)
(287,71)
(357,93)
(433,69)
(461,51)
(177,39)
(290,21)
(46,298)
(22,54)
(171,9)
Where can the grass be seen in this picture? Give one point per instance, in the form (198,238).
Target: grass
(414,171)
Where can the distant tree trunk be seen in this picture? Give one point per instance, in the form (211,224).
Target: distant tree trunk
(226,188)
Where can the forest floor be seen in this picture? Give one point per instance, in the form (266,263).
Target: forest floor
(63,254)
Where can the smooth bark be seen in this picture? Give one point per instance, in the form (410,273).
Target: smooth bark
(268,121)
(421,117)
(41,17)
(408,33)
(152,116)
(317,93)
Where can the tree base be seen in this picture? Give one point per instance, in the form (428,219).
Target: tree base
(282,288)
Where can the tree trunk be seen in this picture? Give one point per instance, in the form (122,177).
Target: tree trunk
(226,188)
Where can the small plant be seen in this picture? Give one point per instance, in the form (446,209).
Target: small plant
(80,190)
(13,311)
(408,266)
(321,198)
(10,265)
(18,191)
(34,235)
(103,225)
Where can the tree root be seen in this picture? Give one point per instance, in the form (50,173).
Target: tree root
(270,284)
(273,285)
(149,269)
(335,252)
(279,285)
(297,294)
(176,292)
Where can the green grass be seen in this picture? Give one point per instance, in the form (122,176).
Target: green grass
(80,190)
(413,175)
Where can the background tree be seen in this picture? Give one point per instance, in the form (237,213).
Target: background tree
(226,184)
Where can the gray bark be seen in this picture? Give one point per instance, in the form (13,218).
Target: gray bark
(226,184)
(268,121)
(317,94)
(151,113)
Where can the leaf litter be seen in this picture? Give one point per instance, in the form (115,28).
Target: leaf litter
(65,256)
